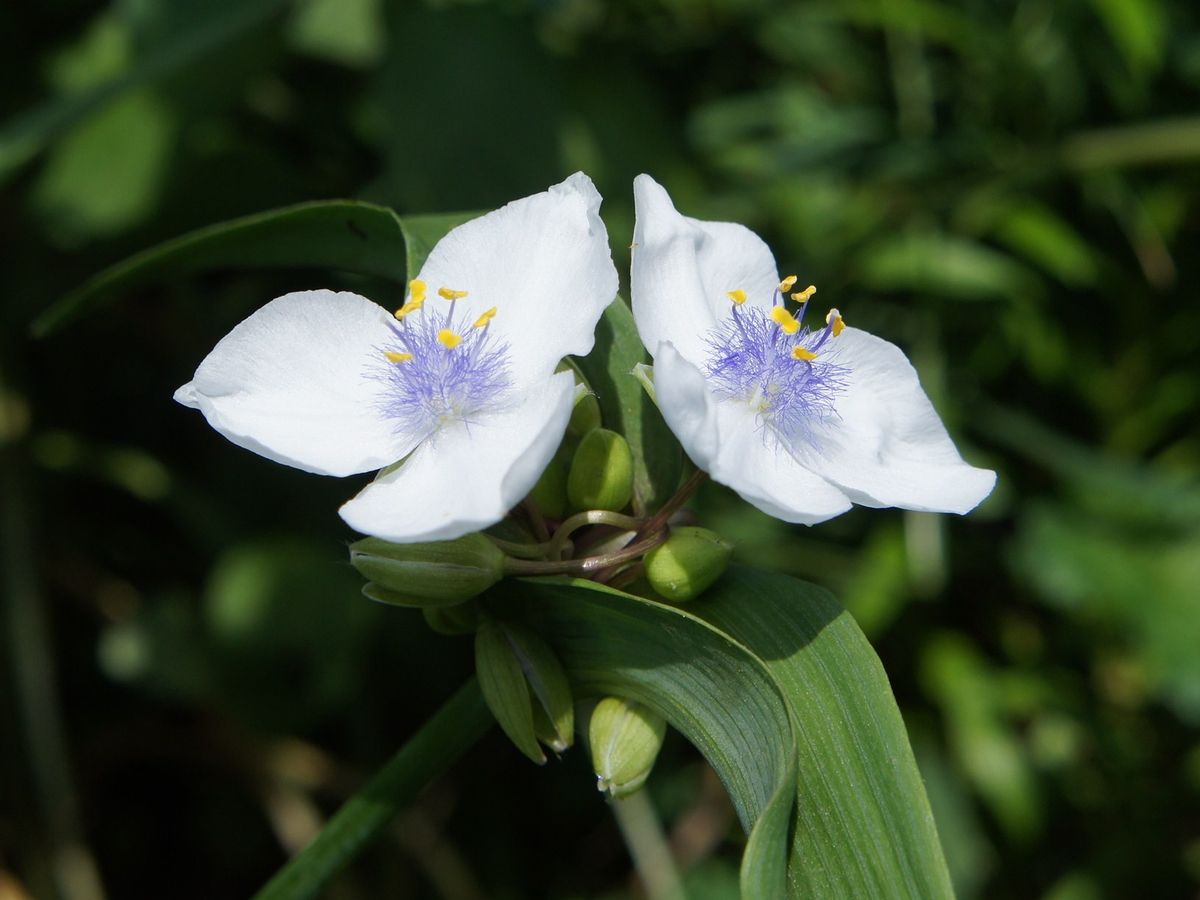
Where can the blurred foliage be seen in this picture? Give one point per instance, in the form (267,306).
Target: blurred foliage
(1006,189)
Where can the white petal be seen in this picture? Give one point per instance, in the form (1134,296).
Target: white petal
(723,438)
(543,262)
(886,445)
(292,383)
(683,269)
(464,478)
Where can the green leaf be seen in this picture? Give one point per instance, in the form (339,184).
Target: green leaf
(657,458)
(1035,231)
(24,136)
(105,175)
(350,32)
(335,234)
(1138,28)
(460,722)
(944,265)
(773,681)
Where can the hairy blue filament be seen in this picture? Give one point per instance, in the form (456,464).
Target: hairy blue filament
(441,384)
(751,361)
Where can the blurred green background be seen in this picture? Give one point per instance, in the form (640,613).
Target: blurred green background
(1009,190)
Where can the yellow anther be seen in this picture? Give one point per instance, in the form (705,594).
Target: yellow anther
(450,339)
(804,295)
(447,294)
(410,307)
(416,290)
(785,320)
(835,321)
(803,353)
(393,357)
(485,318)
(786,284)
(738,296)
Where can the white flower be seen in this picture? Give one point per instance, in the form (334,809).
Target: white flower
(800,422)
(459,383)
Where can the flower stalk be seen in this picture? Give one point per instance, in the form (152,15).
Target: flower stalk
(646,534)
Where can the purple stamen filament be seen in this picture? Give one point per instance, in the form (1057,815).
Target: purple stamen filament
(440,384)
(751,361)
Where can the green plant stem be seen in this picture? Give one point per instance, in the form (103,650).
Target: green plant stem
(460,722)
(589,517)
(519,550)
(583,566)
(659,520)
(654,529)
(648,847)
(536,519)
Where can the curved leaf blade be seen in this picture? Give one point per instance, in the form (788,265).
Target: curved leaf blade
(333,234)
(705,684)
(863,823)
(863,827)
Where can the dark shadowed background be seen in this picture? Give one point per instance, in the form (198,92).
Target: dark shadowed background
(191,681)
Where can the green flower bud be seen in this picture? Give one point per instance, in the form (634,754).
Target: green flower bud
(688,562)
(601,475)
(550,492)
(585,416)
(525,687)
(462,618)
(439,573)
(625,738)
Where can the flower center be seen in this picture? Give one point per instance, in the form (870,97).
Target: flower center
(441,371)
(771,361)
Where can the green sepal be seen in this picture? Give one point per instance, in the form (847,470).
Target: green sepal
(554,705)
(436,573)
(452,621)
(504,688)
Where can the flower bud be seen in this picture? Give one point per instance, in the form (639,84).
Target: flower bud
(688,562)
(525,687)
(438,573)
(462,618)
(550,492)
(585,416)
(625,738)
(601,475)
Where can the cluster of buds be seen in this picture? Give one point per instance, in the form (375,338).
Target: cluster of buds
(575,521)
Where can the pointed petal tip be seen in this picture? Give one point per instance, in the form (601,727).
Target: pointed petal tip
(981,484)
(581,185)
(577,181)
(648,192)
(186,396)
(656,219)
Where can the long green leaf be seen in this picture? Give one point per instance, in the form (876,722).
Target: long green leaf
(335,234)
(657,458)
(456,726)
(26,135)
(787,700)
(863,823)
